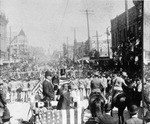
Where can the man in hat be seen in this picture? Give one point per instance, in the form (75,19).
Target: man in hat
(96,85)
(133,111)
(64,100)
(13,87)
(2,103)
(118,83)
(107,118)
(87,85)
(96,82)
(2,95)
(48,88)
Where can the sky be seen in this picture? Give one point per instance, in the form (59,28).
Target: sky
(48,23)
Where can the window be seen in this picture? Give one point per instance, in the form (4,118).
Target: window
(116,39)
(120,36)
(134,30)
(124,33)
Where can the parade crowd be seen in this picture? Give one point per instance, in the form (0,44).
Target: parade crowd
(100,88)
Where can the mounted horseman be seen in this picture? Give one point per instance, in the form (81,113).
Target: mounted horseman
(124,94)
(96,85)
(118,84)
(118,95)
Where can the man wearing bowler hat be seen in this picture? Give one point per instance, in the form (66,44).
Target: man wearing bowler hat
(48,88)
(133,111)
(4,112)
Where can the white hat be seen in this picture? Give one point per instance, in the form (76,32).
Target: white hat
(124,74)
(1,82)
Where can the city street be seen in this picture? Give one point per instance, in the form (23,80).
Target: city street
(73,61)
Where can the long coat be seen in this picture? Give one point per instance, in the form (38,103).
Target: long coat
(64,101)
(134,120)
(107,119)
(2,99)
(48,90)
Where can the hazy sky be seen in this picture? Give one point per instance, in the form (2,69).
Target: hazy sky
(49,22)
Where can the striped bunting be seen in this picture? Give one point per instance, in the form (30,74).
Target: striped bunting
(72,116)
(38,88)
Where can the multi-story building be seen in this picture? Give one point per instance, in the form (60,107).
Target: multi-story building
(119,28)
(127,40)
(19,46)
(3,33)
(79,52)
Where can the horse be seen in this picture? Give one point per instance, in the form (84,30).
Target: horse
(130,96)
(96,107)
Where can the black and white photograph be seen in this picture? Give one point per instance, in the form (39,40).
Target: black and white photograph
(74,61)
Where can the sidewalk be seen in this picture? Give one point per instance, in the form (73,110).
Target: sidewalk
(19,111)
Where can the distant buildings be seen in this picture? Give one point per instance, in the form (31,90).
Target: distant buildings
(3,34)
(79,50)
(19,46)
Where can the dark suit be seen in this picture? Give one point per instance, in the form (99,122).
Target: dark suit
(48,90)
(134,120)
(2,99)
(107,119)
(64,101)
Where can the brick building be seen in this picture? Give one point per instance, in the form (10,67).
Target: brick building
(118,27)
(127,44)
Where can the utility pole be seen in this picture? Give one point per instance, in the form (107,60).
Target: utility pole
(67,50)
(74,52)
(88,27)
(97,40)
(9,46)
(107,33)
(82,55)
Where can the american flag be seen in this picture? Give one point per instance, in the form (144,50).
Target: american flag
(38,88)
(72,116)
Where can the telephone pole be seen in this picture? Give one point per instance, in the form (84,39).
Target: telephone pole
(107,33)
(9,46)
(67,47)
(97,40)
(67,53)
(87,12)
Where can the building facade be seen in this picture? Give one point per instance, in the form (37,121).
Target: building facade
(3,34)
(119,28)
(78,50)
(127,39)
(19,46)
